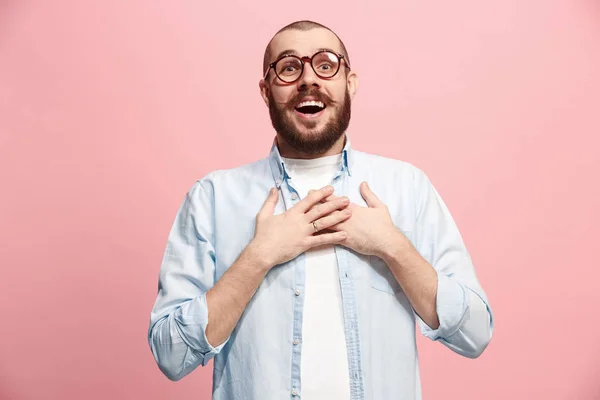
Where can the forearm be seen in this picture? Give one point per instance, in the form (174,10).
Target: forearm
(188,326)
(229,297)
(471,329)
(417,278)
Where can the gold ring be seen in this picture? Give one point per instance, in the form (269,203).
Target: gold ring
(315,226)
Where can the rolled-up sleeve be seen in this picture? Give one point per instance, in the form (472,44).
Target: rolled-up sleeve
(177,331)
(464,313)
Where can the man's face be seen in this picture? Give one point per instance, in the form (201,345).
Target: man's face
(307,131)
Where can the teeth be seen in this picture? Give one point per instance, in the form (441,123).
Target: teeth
(311,103)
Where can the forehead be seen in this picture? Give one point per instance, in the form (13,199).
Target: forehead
(304,43)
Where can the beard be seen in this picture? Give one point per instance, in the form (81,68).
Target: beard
(313,142)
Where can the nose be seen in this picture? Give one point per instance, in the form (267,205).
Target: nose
(308,77)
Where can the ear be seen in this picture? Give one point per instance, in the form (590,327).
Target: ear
(352,84)
(264,91)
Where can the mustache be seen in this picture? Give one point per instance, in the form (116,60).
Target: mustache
(317,95)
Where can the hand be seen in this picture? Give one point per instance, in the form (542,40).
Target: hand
(370,230)
(280,238)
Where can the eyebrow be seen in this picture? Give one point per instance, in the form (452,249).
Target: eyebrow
(291,52)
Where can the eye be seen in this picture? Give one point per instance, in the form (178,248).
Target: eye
(325,67)
(288,67)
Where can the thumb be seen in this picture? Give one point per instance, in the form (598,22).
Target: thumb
(268,207)
(370,197)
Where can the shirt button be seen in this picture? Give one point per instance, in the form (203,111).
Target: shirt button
(294,392)
(297,292)
(294,196)
(296,342)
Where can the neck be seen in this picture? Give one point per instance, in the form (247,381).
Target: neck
(285,150)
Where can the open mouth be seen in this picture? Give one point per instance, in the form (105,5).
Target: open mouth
(310,108)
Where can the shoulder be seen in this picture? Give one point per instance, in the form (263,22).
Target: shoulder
(390,166)
(242,174)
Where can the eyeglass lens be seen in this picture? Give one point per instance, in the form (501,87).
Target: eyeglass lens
(325,64)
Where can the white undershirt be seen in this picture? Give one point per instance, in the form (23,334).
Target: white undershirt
(324,361)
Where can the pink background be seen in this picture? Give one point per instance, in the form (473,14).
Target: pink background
(110,110)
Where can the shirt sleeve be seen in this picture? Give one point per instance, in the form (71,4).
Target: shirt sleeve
(177,331)
(464,313)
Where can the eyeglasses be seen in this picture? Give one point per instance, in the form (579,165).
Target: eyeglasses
(289,68)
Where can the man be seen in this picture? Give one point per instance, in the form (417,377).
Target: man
(314,292)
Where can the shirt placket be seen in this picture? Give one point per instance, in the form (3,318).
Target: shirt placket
(290,196)
(349,307)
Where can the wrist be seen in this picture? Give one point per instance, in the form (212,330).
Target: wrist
(395,248)
(255,255)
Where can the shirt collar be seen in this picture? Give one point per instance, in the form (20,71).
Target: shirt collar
(278,166)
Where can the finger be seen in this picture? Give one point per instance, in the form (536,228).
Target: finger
(313,198)
(268,207)
(332,197)
(325,200)
(340,226)
(326,238)
(326,231)
(322,209)
(370,197)
(329,221)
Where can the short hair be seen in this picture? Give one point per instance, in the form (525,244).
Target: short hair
(304,25)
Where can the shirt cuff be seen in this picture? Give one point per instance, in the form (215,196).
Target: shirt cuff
(191,319)
(451,307)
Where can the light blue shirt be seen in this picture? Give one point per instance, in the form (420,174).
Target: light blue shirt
(261,358)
